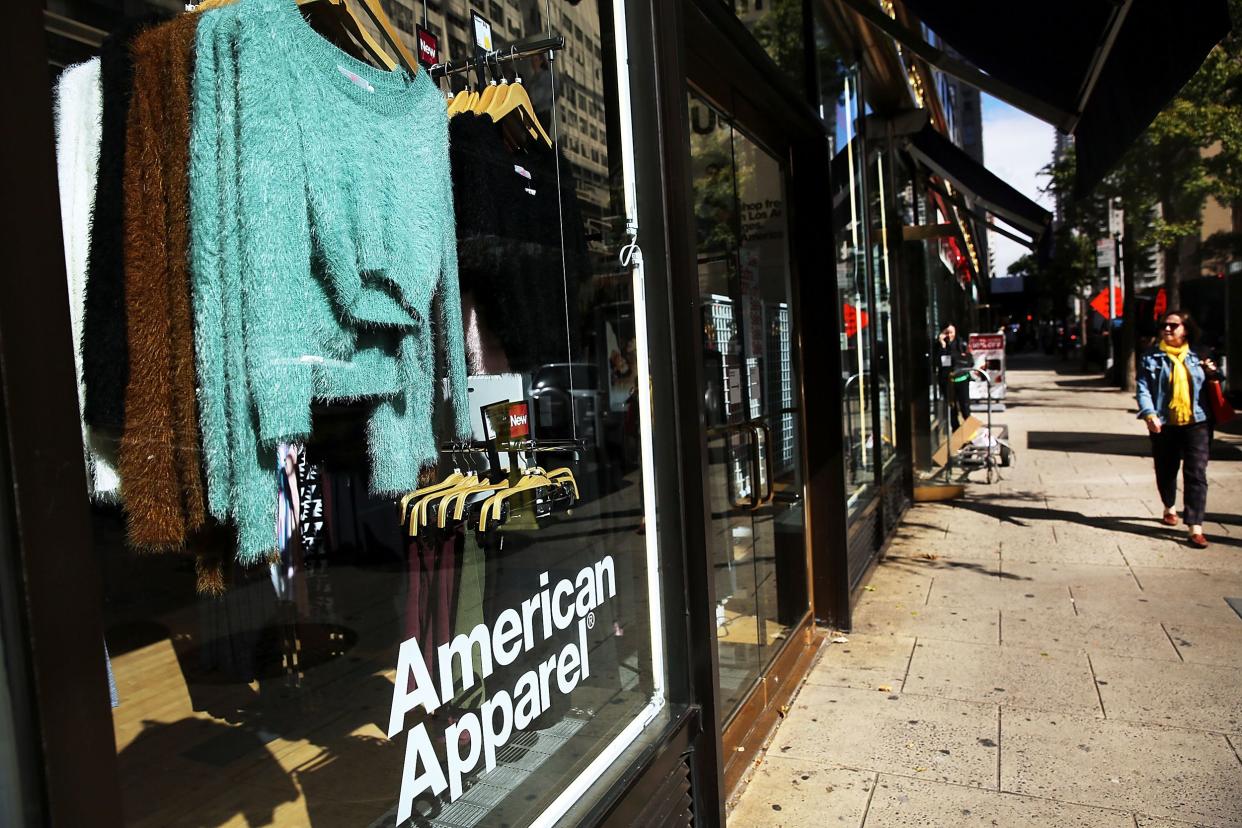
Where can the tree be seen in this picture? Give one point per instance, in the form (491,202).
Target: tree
(1191,151)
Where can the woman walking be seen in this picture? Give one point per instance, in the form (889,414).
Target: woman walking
(1171,378)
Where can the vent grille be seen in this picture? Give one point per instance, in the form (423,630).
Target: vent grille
(671,805)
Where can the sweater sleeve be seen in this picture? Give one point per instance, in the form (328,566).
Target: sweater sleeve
(275,236)
(451,326)
(205,168)
(1144,392)
(152,497)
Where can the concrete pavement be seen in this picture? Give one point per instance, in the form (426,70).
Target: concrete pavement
(1040,653)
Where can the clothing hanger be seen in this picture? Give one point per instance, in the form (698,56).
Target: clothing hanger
(457,500)
(376,12)
(502,90)
(346,30)
(518,101)
(419,513)
(489,91)
(493,503)
(208,5)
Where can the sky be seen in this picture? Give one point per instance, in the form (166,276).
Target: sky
(1015,147)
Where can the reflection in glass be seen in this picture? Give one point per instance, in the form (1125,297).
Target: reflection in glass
(777,25)
(755,483)
(262,696)
(850,233)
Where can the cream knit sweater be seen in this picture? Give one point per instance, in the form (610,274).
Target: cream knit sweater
(79,103)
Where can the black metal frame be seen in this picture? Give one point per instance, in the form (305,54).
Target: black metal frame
(67,740)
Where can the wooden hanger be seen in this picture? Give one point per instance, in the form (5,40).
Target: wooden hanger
(345,17)
(208,5)
(344,29)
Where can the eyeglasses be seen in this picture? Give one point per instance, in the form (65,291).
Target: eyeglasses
(1172,326)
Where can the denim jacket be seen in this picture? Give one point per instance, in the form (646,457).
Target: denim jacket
(1155,385)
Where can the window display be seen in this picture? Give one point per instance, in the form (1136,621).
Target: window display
(365,413)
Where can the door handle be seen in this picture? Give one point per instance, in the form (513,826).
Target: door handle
(763,461)
(728,432)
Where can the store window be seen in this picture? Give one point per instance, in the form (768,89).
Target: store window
(371,473)
(751,397)
(850,232)
(881,204)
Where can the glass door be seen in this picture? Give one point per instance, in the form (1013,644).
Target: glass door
(758,543)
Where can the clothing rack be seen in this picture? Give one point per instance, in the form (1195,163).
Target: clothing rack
(482,447)
(515,51)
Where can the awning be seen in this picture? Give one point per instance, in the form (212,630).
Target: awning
(1100,69)
(942,157)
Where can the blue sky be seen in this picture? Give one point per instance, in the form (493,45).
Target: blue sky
(1015,147)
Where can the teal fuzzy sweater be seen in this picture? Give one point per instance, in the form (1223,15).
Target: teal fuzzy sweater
(323,256)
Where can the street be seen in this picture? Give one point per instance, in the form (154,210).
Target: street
(1042,652)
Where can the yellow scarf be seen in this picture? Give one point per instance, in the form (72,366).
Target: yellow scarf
(1180,410)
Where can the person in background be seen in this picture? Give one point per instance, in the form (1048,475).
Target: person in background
(952,358)
(1171,378)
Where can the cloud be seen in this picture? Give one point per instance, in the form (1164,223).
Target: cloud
(1015,147)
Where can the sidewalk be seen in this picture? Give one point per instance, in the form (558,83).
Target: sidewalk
(1040,653)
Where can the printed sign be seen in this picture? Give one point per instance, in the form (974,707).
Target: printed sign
(988,353)
(519,420)
(482,31)
(428,47)
(563,611)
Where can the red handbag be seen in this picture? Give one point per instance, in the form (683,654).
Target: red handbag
(1222,411)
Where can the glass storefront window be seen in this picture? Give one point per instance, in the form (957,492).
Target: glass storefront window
(857,316)
(758,543)
(885,374)
(425,591)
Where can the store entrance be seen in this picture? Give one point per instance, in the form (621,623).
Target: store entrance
(757,544)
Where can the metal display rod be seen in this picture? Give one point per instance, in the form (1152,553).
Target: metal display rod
(515,51)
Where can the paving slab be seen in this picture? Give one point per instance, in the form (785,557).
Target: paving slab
(1006,676)
(1202,644)
(1103,606)
(941,740)
(1176,554)
(1188,584)
(1201,696)
(1138,638)
(977,625)
(796,793)
(1160,772)
(1103,552)
(905,803)
(866,662)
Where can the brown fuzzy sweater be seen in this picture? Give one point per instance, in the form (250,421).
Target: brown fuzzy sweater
(160,458)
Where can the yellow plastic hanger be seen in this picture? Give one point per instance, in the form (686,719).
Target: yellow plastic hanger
(446,483)
(418,514)
(493,503)
(518,101)
(459,505)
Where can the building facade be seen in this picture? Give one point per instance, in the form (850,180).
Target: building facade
(700,392)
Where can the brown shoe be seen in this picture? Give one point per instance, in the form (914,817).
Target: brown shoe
(1169,520)
(1198,542)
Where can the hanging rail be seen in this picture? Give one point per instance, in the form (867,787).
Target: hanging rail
(515,51)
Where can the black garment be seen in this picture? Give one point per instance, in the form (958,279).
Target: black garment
(522,252)
(105,350)
(1186,446)
(958,395)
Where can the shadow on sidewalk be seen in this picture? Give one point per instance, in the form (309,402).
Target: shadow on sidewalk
(1129,445)
(1144,526)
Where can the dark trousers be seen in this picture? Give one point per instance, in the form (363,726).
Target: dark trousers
(1187,447)
(957,395)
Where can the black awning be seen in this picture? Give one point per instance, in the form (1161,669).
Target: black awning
(1101,69)
(948,161)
